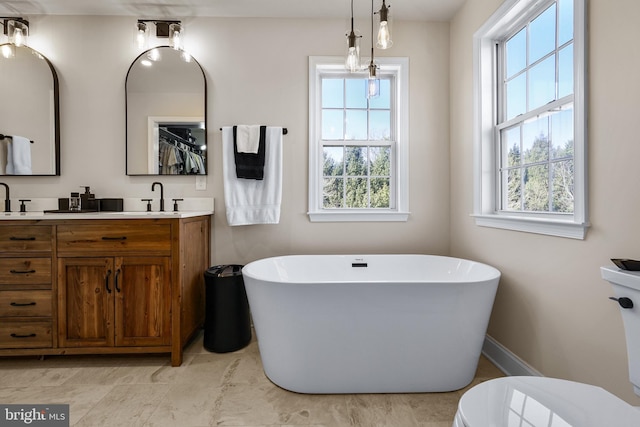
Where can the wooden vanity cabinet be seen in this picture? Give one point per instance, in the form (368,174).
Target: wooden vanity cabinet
(123,286)
(26,288)
(120,301)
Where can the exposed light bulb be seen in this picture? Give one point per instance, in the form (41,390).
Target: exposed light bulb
(384,36)
(18,37)
(353,59)
(141,35)
(352,62)
(384,32)
(373,83)
(373,88)
(175,36)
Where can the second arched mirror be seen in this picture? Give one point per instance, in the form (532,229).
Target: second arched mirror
(166,114)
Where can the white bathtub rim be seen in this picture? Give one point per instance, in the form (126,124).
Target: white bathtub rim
(486,274)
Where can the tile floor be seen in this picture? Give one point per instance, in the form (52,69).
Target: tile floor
(209,389)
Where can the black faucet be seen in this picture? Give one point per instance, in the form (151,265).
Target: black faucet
(153,187)
(7,200)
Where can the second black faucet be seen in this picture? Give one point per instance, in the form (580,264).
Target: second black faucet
(7,200)
(153,187)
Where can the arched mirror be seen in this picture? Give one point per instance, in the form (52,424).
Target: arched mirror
(166,114)
(29,113)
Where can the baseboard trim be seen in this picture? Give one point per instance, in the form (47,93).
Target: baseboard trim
(505,360)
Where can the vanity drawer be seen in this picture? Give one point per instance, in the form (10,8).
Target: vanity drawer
(114,239)
(18,238)
(25,271)
(25,334)
(36,303)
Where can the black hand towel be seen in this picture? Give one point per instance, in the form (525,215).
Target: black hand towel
(249,165)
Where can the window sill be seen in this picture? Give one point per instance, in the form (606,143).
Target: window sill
(358,216)
(550,227)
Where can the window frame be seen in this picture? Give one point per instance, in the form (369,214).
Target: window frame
(399,182)
(513,14)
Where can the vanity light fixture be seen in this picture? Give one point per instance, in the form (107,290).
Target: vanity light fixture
(173,30)
(352,61)
(384,32)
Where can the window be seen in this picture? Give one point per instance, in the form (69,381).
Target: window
(530,131)
(358,155)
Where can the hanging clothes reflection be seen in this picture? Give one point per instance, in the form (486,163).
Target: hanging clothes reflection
(179,153)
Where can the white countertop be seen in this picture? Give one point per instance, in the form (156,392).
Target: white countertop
(101,215)
(134,208)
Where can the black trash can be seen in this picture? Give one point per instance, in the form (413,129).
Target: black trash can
(227,325)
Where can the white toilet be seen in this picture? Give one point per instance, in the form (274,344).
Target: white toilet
(551,402)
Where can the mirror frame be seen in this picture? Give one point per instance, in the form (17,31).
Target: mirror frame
(56,113)
(126,118)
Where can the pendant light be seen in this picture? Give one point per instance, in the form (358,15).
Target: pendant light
(352,61)
(384,32)
(373,83)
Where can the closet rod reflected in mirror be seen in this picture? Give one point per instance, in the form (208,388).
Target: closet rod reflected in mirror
(166,105)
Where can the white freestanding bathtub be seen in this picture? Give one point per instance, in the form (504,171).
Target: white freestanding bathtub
(370,323)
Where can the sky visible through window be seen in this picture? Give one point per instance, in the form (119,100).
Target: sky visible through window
(536,75)
(347,114)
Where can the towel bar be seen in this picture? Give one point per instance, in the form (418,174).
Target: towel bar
(10,137)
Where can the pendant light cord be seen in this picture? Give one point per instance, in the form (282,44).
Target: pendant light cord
(372,31)
(352,16)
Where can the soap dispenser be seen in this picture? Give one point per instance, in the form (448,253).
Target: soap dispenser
(88,200)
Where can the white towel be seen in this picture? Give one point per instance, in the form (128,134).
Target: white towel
(9,168)
(19,156)
(4,146)
(250,201)
(248,138)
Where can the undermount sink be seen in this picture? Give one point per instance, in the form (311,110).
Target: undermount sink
(630,279)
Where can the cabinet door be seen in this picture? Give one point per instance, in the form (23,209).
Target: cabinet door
(85,302)
(143,301)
